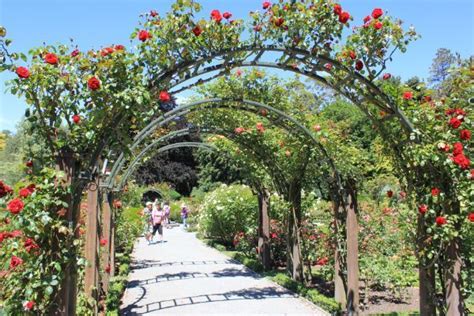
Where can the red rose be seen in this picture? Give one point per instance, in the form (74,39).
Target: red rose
(328,66)
(93,83)
(27,306)
(322,261)
(435,191)
(30,244)
(462,161)
(107,268)
(29,163)
(279,22)
(260,127)
(119,47)
(238,72)
(367,19)
(454,122)
(239,130)
(144,35)
(273,235)
(386,76)
(103,241)
(197,30)
(377,13)
(465,134)
(106,51)
(75,52)
(16,233)
(15,262)
(423,208)
(344,17)
(51,58)
(4,189)
(15,206)
(457,149)
(164,96)
(389,193)
(24,193)
(23,72)
(76,119)
(337,9)
(352,55)
(378,25)
(407,95)
(266,5)
(227,15)
(470,217)
(216,16)
(460,112)
(440,221)
(359,65)
(153,13)
(118,204)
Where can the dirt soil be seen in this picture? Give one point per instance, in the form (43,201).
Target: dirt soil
(384,302)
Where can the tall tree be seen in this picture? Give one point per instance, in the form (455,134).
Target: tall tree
(439,70)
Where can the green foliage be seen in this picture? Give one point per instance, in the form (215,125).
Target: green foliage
(227,211)
(328,304)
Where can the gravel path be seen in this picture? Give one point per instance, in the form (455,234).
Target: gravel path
(182,276)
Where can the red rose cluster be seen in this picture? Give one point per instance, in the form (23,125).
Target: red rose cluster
(5,189)
(456,117)
(216,16)
(144,35)
(374,17)
(343,15)
(458,156)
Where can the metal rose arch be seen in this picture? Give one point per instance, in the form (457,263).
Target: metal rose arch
(98,107)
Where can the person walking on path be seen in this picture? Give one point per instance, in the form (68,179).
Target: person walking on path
(148,220)
(157,216)
(184,215)
(167,210)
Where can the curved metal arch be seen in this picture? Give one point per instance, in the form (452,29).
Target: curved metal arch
(312,62)
(163,149)
(167,117)
(187,131)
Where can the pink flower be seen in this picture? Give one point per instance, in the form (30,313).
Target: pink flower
(103,241)
(75,52)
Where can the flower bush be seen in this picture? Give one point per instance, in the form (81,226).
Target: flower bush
(226,212)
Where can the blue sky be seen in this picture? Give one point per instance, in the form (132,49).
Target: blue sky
(96,23)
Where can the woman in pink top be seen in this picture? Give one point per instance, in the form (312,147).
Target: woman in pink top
(157,216)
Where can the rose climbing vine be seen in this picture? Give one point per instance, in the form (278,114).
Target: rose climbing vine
(85,103)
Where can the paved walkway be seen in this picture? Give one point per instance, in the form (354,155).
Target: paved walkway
(183,276)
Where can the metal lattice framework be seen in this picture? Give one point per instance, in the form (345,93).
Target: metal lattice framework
(358,89)
(281,119)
